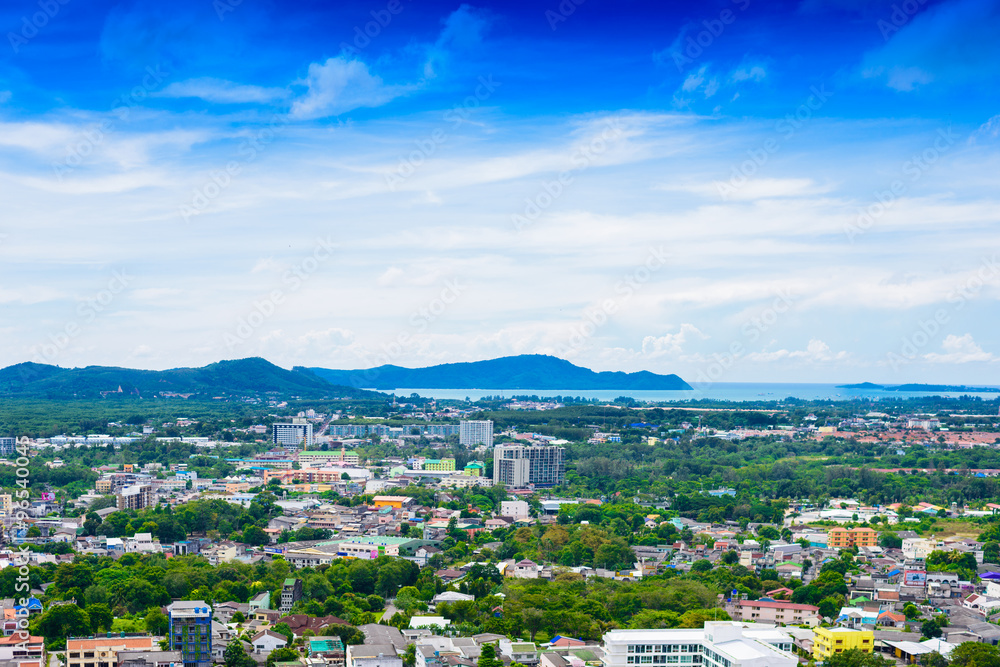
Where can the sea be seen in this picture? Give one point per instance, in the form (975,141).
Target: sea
(724,391)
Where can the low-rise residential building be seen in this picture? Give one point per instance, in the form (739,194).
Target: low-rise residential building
(770,611)
(103,651)
(373,655)
(266,641)
(843,538)
(829,641)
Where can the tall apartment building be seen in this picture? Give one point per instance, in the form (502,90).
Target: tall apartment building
(291,593)
(191,632)
(475,432)
(292,436)
(103,651)
(718,644)
(115,482)
(134,497)
(8,446)
(517,466)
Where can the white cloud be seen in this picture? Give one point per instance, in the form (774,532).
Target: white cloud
(265,264)
(960,350)
(389,276)
(988,131)
(816,352)
(340,85)
(748,73)
(220,91)
(671,344)
(463,31)
(755,188)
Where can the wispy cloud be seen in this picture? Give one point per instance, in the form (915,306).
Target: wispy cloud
(340,85)
(220,91)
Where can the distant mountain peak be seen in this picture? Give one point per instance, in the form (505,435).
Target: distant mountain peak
(525,371)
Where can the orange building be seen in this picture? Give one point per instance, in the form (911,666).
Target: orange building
(842,538)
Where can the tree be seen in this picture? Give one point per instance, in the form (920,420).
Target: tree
(410,655)
(890,540)
(931,628)
(64,620)
(73,575)
(157,622)
(703,565)
(695,618)
(254,536)
(34,531)
(282,655)
(236,656)
(534,619)
(933,659)
(974,654)
(100,617)
(488,657)
(857,658)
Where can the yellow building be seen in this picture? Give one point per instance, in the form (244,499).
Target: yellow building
(390,501)
(440,465)
(828,641)
(842,538)
(474,469)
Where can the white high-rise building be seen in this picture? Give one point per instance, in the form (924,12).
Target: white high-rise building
(473,433)
(520,466)
(293,435)
(718,644)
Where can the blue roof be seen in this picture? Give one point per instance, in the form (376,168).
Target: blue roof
(894,573)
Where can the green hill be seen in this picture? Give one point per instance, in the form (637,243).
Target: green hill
(526,371)
(241,377)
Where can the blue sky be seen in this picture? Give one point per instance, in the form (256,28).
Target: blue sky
(731,191)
